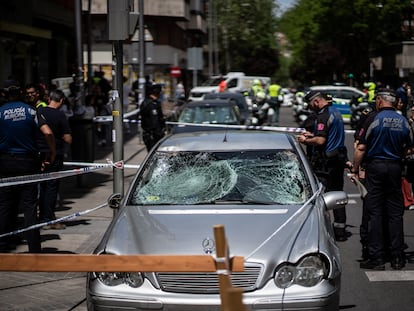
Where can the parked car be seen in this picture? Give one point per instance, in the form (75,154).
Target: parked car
(342,96)
(208,112)
(239,99)
(259,185)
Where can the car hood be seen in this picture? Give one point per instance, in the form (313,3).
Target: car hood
(278,232)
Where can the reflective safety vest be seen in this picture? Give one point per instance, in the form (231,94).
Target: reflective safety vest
(274,90)
(40,104)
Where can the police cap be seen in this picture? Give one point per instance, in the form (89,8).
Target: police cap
(311,95)
(155,89)
(11,85)
(387,94)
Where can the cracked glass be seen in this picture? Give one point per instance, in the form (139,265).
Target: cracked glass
(244,177)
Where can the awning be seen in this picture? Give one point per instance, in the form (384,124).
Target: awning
(25,30)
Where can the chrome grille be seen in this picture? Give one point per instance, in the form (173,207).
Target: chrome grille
(206,283)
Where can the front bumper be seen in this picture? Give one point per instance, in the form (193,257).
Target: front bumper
(323,297)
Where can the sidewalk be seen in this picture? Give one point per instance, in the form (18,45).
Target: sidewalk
(66,291)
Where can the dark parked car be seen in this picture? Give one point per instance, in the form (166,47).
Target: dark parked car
(210,113)
(257,184)
(238,98)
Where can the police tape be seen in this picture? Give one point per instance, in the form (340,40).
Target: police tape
(90,167)
(109,119)
(242,127)
(119,164)
(65,218)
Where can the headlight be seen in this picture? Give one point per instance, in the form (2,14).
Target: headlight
(308,272)
(133,279)
(111,278)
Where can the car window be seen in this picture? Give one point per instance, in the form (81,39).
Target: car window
(208,114)
(212,82)
(232,83)
(348,94)
(261,177)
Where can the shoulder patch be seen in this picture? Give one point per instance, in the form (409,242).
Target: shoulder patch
(367,111)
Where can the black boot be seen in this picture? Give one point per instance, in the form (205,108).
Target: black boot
(365,254)
(373,264)
(340,234)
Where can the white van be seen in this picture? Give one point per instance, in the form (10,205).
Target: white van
(236,82)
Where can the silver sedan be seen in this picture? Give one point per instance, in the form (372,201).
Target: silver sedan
(259,185)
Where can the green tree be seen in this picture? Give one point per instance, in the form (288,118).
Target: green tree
(332,38)
(247,36)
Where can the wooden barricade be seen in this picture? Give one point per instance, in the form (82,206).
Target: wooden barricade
(231,298)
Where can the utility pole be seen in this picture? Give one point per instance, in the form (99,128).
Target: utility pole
(121,25)
(210,38)
(141,50)
(80,96)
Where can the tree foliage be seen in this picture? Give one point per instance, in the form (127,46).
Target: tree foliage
(332,38)
(247,36)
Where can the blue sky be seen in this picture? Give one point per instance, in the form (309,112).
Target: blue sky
(284,4)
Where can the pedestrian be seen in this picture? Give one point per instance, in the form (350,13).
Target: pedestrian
(404,93)
(179,91)
(59,124)
(222,87)
(19,156)
(328,155)
(99,102)
(126,92)
(382,143)
(152,117)
(406,185)
(35,95)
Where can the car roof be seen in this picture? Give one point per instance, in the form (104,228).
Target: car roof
(335,87)
(227,140)
(238,97)
(223,95)
(210,102)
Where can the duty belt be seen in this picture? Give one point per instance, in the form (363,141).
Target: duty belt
(333,153)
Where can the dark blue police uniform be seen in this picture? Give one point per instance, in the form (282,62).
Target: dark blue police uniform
(329,159)
(152,118)
(19,156)
(385,134)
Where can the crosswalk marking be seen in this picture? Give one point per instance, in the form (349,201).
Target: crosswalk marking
(390,276)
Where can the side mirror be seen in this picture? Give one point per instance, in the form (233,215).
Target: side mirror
(335,199)
(114,201)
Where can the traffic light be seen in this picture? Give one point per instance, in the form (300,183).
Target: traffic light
(122,20)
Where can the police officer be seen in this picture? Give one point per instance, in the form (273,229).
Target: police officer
(328,156)
(275,93)
(152,117)
(381,144)
(19,123)
(363,228)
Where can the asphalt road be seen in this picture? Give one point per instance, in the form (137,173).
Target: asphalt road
(362,290)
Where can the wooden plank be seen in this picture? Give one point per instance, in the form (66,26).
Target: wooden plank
(223,266)
(112,263)
(235,297)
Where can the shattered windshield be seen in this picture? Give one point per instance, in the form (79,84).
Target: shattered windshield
(208,114)
(259,177)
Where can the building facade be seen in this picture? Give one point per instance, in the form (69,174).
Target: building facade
(38,40)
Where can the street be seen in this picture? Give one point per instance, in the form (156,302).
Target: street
(362,290)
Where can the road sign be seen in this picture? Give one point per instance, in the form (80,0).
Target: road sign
(175,72)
